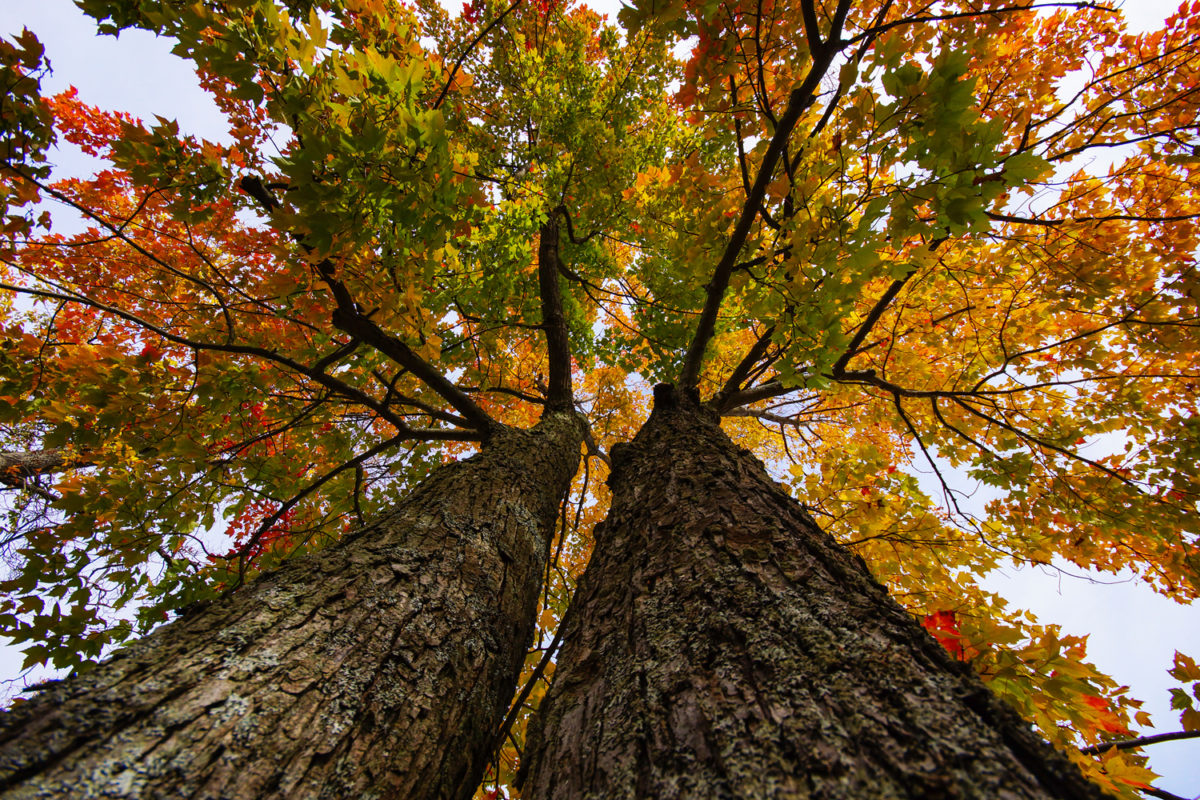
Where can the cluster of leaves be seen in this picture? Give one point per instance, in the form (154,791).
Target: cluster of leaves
(1185,671)
(27,132)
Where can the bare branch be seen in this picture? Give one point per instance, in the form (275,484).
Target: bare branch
(1143,741)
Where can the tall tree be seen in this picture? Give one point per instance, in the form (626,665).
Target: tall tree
(722,645)
(364,669)
(364,666)
(719,645)
(882,246)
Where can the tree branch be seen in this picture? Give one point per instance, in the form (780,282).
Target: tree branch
(1052,223)
(742,370)
(474,42)
(812,30)
(765,416)
(358,325)
(745,397)
(917,19)
(335,385)
(559,393)
(528,398)
(246,548)
(867,324)
(1162,794)
(348,317)
(1143,741)
(799,100)
(519,703)
(593,449)
(17,467)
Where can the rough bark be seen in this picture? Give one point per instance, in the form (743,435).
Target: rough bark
(721,645)
(378,668)
(16,467)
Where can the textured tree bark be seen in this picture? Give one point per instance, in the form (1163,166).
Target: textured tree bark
(721,645)
(16,467)
(379,668)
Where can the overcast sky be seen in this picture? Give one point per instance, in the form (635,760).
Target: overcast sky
(1133,632)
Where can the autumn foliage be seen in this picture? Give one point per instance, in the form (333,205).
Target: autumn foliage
(936,245)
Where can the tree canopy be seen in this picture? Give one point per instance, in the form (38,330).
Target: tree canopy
(881,238)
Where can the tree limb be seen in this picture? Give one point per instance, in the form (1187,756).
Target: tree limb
(742,370)
(330,382)
(559,393)
(519,703)
(799,100)
(474,42)
(1143,741)
(745,397)
(1051,223)
(17,467)
(867,324)
(244,551)
(1162,794)
(348,318)
(358,325)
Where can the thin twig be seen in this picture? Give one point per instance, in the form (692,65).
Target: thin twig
(1132,744)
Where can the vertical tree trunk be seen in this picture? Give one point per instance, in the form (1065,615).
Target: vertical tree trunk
(721,645)
(379,668)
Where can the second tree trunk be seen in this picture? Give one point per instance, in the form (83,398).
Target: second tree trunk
(721,645)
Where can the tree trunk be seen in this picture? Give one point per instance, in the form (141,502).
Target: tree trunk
(721,645)
(380,667)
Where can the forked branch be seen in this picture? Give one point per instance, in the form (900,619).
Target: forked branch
(799,100)
(349,318)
